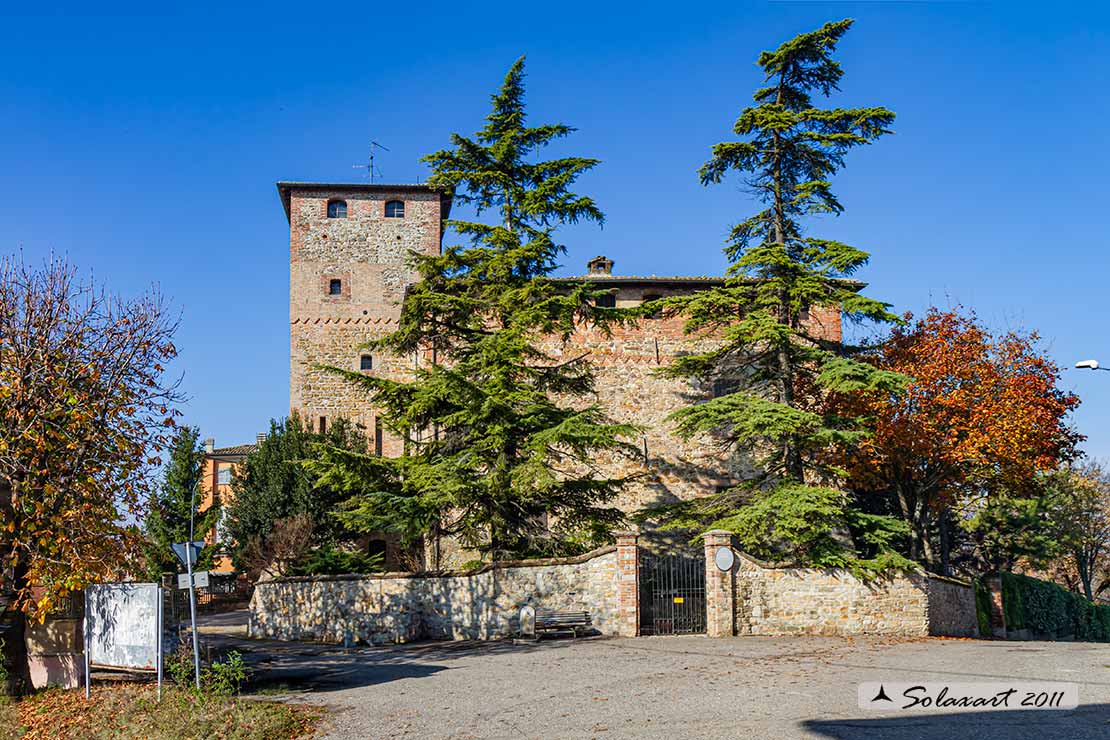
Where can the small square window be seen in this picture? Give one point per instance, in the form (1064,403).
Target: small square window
(335,286)
(223,478)
(395,209)
(366,362)
(608,300)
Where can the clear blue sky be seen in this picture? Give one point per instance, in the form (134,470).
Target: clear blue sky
(144,144)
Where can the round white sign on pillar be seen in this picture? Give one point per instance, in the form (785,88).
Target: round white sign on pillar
(724,558)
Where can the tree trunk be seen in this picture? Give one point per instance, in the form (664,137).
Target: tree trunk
(945,544)
(13,622)
(13,634)
(1083,566)
(915,512)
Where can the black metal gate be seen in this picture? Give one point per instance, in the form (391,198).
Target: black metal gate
(672,594)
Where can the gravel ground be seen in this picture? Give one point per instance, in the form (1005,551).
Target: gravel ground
(675,687)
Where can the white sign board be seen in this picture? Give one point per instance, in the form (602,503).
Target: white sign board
(200,579)
(122,622)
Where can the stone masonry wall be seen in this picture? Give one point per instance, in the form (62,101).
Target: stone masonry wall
(784,601)
(482,605)
(952,608)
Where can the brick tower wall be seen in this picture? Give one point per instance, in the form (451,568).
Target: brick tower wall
(368,253)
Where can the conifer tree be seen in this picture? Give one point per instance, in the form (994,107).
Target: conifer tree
(499,435)
(272,484)
(167,519)
(776,364)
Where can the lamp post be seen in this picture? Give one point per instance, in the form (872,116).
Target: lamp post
(1090,365)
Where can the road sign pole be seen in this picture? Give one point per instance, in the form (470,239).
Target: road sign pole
(193,612)
(88,644)
(158,640)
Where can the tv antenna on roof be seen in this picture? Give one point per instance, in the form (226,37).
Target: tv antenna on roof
(369,166)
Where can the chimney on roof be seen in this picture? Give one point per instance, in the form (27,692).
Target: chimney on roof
(209,445)
(600,265)
(260,437)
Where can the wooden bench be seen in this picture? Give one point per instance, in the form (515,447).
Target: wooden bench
(550,620)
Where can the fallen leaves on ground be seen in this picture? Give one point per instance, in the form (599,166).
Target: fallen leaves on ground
(131,711)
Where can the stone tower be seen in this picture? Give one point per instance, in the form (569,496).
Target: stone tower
(348,245)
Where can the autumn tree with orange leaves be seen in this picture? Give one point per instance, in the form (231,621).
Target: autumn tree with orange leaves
(983,413)
(84,413)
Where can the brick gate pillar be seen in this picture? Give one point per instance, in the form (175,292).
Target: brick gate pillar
(720,587)
(628,584)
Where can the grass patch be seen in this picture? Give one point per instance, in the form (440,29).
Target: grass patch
(130,711)
(10,728)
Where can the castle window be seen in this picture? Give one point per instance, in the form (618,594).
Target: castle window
(609,300)
(725,386)
(335,286)
(323,425)
(223,477)
(337,209)
(366,362)
(376,549)
(395,209)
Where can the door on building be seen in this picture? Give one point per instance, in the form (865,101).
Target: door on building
(672,594)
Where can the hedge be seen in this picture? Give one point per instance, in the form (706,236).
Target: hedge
(1048,609)
(983,607)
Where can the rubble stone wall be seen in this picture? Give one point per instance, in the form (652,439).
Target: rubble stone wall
(784,601)
(401,607)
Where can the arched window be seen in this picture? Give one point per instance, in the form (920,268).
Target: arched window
(395,209)
(337,209)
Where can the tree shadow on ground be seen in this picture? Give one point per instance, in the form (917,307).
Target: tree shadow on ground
(1088,721)
(323,668)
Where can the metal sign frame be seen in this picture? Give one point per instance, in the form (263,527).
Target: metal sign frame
(158,639)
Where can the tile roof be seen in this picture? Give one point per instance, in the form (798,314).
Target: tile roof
(233,451)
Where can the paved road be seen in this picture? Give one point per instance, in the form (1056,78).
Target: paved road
(674,687)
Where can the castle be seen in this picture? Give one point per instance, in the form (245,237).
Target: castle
(348,245)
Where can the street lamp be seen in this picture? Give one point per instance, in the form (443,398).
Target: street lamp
(1090,365)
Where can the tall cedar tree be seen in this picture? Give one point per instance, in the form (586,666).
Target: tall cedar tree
(167,518)
(499,436)
(774,361)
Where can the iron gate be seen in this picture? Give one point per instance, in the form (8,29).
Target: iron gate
(672,594)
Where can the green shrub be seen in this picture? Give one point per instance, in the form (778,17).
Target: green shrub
(225,677)
(329,560)
(983,608)
(222,678)
(1049,609)
(179,664)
